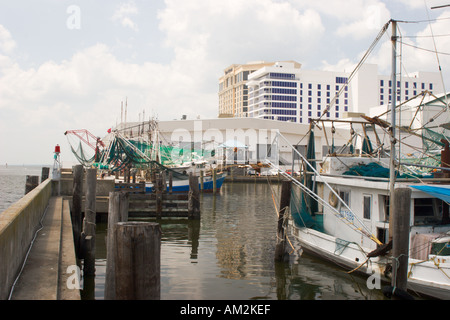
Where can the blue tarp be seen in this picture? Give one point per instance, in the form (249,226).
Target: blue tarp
(441,192)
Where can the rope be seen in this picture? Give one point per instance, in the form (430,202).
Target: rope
(28,252)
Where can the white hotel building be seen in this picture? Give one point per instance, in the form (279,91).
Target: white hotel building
(283,91)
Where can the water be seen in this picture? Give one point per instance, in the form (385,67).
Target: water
(226,255)
(229,255)
(12,182)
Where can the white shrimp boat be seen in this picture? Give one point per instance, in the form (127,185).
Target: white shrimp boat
(343,217)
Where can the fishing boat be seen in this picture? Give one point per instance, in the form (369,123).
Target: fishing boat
(341,214)
(124,156)
(344,206)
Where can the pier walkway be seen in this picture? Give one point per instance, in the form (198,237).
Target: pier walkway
(37,247)
(44,275)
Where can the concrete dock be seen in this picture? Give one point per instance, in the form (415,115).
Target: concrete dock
(37,247)
(44,276)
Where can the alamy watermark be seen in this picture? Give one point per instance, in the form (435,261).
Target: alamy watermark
(74,280)
(374,281)
(73,21)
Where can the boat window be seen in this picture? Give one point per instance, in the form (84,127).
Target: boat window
(345,196)
(384,207)
(367,206)
(426,210)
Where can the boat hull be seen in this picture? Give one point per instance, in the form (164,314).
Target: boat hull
(183,185)
(425,277)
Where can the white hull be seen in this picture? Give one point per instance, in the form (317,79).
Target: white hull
(425,277)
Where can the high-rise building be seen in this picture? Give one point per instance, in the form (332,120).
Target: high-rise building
(283,91)
(233,91)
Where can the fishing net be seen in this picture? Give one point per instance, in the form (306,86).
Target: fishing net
(301,211)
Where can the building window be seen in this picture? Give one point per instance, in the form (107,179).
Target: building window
(381,82)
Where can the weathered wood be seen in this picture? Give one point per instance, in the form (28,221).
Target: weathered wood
(31,183)
(76,212)
(152,197)
(401,234)
(138,261)
(285,200)
(170,182)
(131,187)
(45,173)
(89,220)
(214,177)
(117,212)
(194,198)
(202,173)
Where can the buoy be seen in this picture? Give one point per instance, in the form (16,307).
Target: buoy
(57,149)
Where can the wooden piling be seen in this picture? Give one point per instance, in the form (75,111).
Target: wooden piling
(401,234)
(137,261)
(170,181)
(89,221)
(31,183)
(285,200)
(202,173)
(194,198)
(214,178)
(117,212)
(45,173)
(76,212)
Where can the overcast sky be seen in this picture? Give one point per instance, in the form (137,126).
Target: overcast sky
(69,64)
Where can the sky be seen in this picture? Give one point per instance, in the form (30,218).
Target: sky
(68,65)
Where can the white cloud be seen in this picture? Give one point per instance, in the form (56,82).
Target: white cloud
(371,20)
(7,43)
(123,15)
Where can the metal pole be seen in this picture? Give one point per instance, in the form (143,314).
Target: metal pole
(393,121)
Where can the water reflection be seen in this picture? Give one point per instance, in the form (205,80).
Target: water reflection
(228,254)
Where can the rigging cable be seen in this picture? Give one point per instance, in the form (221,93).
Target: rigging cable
(437,58)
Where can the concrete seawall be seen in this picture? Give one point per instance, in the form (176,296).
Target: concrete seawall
(18,225)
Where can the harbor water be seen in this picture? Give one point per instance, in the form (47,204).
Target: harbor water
(229,254)
(12,182)
(226,255)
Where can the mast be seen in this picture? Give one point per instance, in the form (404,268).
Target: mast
(392,129)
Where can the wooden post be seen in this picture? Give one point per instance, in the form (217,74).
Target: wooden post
(45,173)
(117,212)
(159,192)
(202,173)
(401,233)
(194,198)
(133,175)
(76,212)
(138,261)
(170,182)
(31,183)
(163,182)
(214,177)
(89,221)
(285,200)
